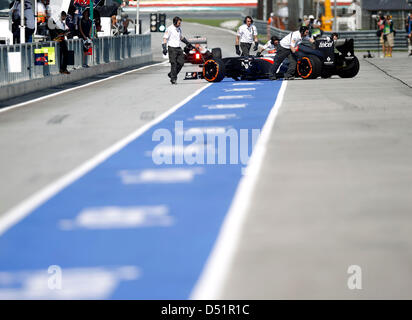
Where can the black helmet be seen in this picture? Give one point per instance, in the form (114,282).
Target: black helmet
(335,34)
(303,29)
(176,20)
(273,39)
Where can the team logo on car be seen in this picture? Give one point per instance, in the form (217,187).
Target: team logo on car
(245,64)
(329,61)
(325,44)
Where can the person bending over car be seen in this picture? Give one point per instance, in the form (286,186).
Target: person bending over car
(271,46)
(287,49)
(246,35)
(171,44)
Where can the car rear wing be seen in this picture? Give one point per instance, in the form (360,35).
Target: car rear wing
(346,47)
(197,40)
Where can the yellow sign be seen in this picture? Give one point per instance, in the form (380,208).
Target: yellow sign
(51,54)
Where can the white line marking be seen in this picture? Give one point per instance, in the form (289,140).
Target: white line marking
(225,106)
(182,150)
(248,96)
(239,89)
(215,116)
(17,213)
(201,130)
(75,88)
(119,218)
(246,83)
(78,283)
(211,282)
(151,176)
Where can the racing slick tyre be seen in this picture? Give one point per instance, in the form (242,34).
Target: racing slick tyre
(217,53)
(214,70)
(351,70)
(309,67)
(326,73)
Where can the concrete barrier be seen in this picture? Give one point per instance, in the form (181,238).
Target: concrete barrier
(29,86)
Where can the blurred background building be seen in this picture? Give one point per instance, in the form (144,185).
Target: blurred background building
(398,9)
(351,14)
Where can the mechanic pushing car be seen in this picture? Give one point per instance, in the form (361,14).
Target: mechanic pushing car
(272,46)
(287,49)
(246,35)
(171,44)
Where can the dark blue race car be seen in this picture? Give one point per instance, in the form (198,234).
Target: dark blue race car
(326,59)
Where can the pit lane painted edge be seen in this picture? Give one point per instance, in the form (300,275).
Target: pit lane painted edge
(17,213)
(211,283)
(122,227)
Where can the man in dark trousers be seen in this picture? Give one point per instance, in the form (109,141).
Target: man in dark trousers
(171,44)
(29,21)
(58,31)
(245,36)
(287,49)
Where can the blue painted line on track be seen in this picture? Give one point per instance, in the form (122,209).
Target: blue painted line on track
(167,252)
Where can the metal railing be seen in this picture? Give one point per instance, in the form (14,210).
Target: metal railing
(105,50)
(363,40)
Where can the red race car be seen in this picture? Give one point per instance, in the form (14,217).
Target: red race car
(199,53)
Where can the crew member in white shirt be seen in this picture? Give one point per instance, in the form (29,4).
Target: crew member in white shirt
(246,35)
(171,44)
(287,49)
(58,31)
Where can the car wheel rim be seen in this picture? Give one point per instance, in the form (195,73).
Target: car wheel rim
(210,70)
(305,67)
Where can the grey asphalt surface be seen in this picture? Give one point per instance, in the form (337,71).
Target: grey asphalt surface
(43,141)
(335,190)
(229,15)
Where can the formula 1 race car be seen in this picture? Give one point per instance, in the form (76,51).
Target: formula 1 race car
(199,53)
(328,58)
